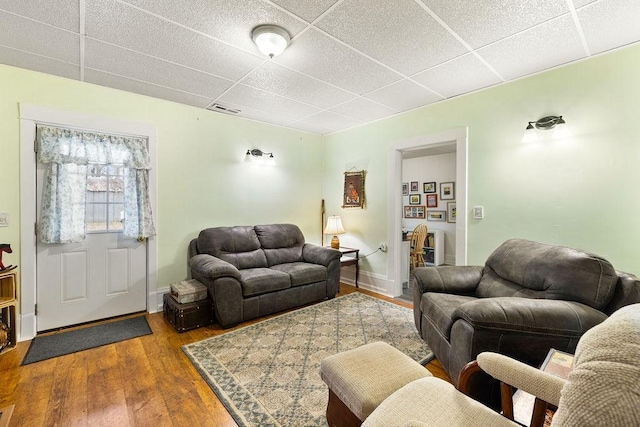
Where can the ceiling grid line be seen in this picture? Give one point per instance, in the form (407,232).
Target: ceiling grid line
(576,21)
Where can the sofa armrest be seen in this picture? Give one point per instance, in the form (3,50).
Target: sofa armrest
(524,315)
(211,267)
(460,280)
(319,254)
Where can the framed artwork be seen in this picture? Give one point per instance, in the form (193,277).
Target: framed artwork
(432,200)
(414,199)
(414,185)
(447,191)
(353,190)
(429,187)
(451,211)
(436,215)
(405,188)
(416,212)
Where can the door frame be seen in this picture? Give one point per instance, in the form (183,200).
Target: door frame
(458,136)
(29,115)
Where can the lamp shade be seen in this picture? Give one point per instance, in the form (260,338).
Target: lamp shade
(334,225)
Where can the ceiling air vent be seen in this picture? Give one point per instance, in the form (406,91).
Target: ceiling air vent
(218,108)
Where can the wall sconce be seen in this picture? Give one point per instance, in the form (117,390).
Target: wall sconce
(556,123)
(334,226)
(259,156)
(270,39)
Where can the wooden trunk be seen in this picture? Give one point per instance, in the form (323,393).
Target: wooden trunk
(190,315)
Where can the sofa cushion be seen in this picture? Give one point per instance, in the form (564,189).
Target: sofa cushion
(521,267)
(237,245)
(303,273)
(282,243)
(257,281)
(439,309)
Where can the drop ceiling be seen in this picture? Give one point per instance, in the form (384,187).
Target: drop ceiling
(350,61)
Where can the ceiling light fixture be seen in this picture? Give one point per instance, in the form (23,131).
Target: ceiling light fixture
(270,39)
(259,156)
(545,123)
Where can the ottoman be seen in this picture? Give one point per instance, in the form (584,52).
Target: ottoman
(360,379)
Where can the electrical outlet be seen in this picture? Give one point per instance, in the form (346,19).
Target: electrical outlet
(478,212)
(4,219)
(383,247)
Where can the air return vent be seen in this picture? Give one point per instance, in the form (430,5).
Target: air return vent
(219,108)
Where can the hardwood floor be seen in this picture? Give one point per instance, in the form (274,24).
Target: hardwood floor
(146,381)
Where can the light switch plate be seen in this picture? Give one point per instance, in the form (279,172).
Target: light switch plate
(4,219)
(478,212)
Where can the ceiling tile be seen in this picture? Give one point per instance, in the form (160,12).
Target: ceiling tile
(247,96)
(364,109)
(61,13)
(308,10)
(125,26)
(482,22)
(14,28)
(608,24)
(129,85)
(548,45)
(319,56)
(20,59)
(403,95)
(310,127)
(331,121)
(579,3)
(387,31)
(228,20)
(291,84)
(461,75)
(253,114)
(115,60)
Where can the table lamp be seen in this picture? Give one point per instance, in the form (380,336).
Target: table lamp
(334,226)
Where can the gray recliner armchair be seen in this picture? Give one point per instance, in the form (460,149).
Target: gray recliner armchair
(529,297)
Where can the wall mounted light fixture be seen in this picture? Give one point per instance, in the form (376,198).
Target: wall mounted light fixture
(270,39)
(546,123)
(259,156)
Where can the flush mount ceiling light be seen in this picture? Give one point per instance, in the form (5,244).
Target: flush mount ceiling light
(259,156)
(270,39)
(545,123)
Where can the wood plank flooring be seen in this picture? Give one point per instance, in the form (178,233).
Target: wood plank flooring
(146,381)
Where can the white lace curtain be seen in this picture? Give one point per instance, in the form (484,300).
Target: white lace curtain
(67,153)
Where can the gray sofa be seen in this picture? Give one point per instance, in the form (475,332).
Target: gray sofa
(529,297)
(253,271)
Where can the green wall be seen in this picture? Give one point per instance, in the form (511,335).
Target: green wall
(202,179)
(582,191)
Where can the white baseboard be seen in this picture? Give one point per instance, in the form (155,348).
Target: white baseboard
(370,281)
(155,304)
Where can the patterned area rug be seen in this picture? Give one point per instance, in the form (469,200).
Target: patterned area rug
(267,374)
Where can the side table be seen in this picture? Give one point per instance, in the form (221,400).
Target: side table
(350,256)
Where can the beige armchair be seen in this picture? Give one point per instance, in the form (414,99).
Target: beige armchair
(603,389)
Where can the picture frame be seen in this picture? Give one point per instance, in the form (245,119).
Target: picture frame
(353,190)
(447,191)
(414,199)
(451,212)
(429,187)
(405,188)
(432,200)
(436,215)
(414,185)
(414,212)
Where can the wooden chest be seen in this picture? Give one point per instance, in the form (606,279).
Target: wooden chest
(190,315)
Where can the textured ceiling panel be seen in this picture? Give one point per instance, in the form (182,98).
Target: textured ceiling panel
(332,121)
(579,3)
(363,109)
(14,28)
(311,127)
(482,22)
(308,10)
(282,81)
(404,95)
(39,63)
(529,52)
(228,20)
(60,13)
(247,96)
(386,30)
(610,23)
(128,27)
(319,56)
(461,75)
(139,67)
(104,79)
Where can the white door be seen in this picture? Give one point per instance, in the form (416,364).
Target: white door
(101,277)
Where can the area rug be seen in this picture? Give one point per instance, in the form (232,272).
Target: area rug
(67,342)
(267,374)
